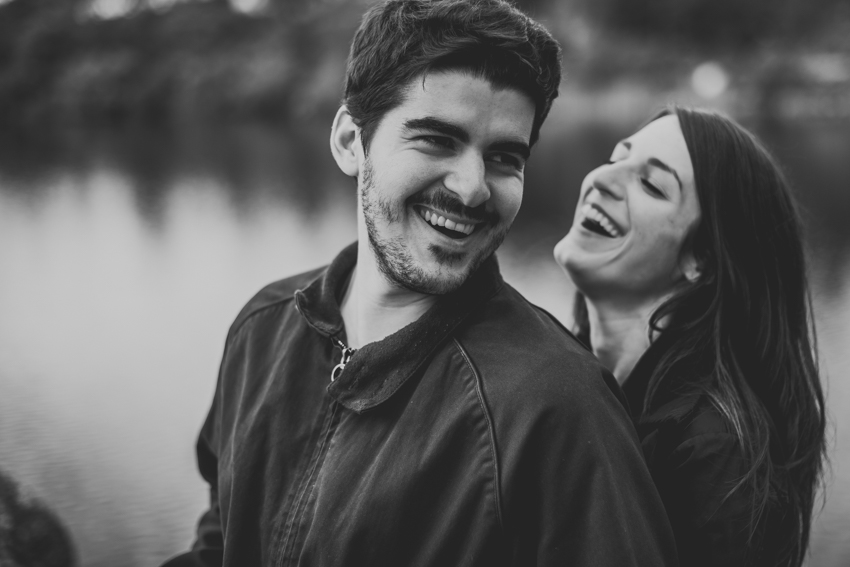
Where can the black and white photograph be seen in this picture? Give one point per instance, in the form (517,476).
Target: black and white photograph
(424,283)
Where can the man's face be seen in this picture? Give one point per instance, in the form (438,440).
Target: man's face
(442,179)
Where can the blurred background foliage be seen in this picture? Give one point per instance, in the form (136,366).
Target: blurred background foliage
(107,61)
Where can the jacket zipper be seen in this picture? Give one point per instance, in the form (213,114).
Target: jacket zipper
(300,504)
(295,517)
(347,353)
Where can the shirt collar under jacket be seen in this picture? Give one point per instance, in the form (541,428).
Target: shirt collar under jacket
(377,370)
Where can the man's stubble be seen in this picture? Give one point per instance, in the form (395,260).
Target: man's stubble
(393,257)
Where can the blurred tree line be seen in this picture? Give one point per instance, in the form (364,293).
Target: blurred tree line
(65,61)
(712,23)
(95,61)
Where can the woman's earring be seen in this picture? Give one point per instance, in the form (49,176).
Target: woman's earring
(691,270)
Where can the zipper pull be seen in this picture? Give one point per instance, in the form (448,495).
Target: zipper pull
(346,356)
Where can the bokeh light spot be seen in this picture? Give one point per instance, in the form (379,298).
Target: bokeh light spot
(111,9)
(161,6)
(249,6)
(709,80)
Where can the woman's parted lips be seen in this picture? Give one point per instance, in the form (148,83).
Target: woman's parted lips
(593,215)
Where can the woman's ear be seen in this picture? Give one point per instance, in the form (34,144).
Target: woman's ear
(345,142)
(691,268)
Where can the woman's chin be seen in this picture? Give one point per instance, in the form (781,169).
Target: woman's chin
(575,259)
(564,251)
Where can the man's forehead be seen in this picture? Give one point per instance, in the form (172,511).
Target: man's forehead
(435,78)
(463,98)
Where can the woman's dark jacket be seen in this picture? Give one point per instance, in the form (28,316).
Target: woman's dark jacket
(696,460)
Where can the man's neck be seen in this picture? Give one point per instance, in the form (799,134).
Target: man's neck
(619,334)
(373,308)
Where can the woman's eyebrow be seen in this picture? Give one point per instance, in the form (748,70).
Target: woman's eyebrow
(661,165)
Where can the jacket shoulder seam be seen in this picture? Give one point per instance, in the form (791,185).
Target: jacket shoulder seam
(237,326)
(243,319)
(497,481)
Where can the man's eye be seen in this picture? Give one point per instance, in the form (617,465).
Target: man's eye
(509,159)
(652,188)
(438,141)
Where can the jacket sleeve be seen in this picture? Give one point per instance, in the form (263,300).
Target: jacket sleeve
(709,519)
(207,551)
(592,501)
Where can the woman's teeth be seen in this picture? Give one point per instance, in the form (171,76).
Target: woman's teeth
(590,212)
(438,220)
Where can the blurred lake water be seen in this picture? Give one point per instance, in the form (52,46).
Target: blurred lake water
(125,255)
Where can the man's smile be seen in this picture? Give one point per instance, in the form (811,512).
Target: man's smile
(447,224)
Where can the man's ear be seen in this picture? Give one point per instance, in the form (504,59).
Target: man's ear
(345,142)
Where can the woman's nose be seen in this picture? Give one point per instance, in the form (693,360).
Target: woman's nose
(608,180)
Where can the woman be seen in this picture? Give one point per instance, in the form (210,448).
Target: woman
(687,256)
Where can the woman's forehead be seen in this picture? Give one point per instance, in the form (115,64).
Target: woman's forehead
(662,139)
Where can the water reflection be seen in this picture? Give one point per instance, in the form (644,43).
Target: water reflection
(114,314)
(125,256)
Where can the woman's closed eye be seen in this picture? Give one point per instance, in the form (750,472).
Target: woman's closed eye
(652,188)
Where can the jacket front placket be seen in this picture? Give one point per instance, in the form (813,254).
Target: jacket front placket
(363,379)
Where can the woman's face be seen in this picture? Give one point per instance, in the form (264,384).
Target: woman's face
(632,219)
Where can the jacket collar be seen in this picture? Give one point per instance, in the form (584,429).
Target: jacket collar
(377,370)
(677,395)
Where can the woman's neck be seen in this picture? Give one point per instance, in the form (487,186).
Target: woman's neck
(619,334)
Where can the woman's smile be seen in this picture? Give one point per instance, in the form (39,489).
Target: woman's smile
(595,219)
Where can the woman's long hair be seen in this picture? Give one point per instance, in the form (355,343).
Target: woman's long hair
(748,318)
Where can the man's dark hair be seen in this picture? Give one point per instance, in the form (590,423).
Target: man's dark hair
(399,40)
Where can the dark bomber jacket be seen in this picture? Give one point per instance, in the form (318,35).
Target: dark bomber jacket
(481,434)
(695,459)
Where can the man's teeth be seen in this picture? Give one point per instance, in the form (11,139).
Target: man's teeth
(592,213)
(438,220)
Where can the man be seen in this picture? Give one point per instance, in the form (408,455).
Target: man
(404,406)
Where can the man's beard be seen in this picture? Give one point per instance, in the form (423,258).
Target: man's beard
(394,259)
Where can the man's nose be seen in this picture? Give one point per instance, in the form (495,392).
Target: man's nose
(467,180)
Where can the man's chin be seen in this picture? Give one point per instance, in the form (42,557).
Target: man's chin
(448,259)
(438,282)
(448,269)
(434,270)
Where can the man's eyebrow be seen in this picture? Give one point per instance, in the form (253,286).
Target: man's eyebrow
(437,125)
(661,165)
